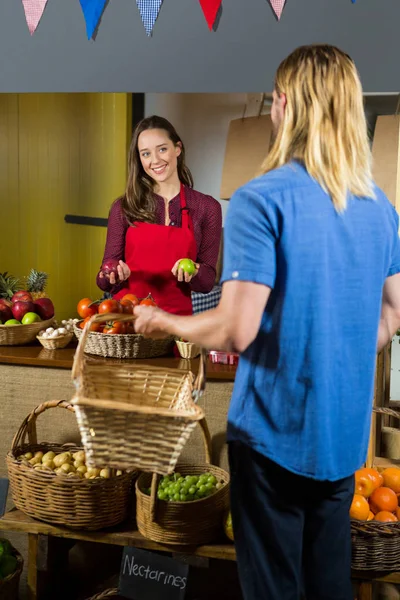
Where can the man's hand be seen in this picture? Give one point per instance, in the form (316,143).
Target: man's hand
(149,321)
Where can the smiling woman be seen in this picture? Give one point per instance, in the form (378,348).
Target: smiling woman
(159,221)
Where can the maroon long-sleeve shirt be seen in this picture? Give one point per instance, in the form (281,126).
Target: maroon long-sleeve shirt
(206,216)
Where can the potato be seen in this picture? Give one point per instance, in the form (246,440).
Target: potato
(28,455)
(60,459)
(38,467)
(58,471)
(79,456)
(93,472)
(35,460)
(67,468)
(49,464)
(87,475)
(82,469)
(105,473)
(48,456)
(38,454)
(79,463)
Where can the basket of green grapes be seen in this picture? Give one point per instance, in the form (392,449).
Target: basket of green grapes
(185,507)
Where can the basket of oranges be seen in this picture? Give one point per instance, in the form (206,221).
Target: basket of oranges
(375,516)
(112,333)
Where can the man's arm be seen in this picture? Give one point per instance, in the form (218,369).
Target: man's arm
(232,326)
(390,312)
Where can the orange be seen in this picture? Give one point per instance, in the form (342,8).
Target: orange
(391,478)
(375,476)
(364,486)
(397,513)
(383,498)
(359,508)
(370,516)
(384,516)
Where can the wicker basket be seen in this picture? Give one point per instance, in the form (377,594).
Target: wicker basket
(18,335)
(183,523)
(10,584)
(61,341)
(133,416)
(188,350)
(375,545)
(76,503)
(128,345)
(113,593)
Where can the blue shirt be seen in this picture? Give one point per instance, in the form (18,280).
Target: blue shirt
(304,388)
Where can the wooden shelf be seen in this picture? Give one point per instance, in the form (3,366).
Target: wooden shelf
(15,520)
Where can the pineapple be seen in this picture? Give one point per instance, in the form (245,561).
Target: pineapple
(8,285)
(36,283)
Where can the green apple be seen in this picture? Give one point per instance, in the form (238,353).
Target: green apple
(12,322)
(187,266)
(29,318)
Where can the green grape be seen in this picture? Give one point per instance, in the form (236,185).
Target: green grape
(180,480)
(183,497)
(176,497)
(192,490)
(177,476)
(209,485)
(161,495)
(212,479)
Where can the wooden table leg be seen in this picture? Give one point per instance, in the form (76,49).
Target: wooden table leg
(32,565)
(365,591)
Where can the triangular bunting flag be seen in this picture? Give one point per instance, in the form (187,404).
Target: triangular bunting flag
(210,10)
(33,13)
(149,10)
(92,10)
(278,6)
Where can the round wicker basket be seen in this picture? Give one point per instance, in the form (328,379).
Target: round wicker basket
(61,341)
(128,345)
(183,523)
(10,584)
(18,335)
(187,349)
(376,545)
(69,501)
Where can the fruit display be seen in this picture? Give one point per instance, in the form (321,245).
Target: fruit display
(24,307)
(376,496)
(8,561)
(65,464)
(176,488)
(87,308)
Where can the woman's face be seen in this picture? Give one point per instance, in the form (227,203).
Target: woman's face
(158,155)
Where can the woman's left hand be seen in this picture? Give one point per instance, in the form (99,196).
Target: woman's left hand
(148,322)
(180,273)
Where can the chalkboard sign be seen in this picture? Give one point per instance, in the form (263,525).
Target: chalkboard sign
(149,576)
(3,495)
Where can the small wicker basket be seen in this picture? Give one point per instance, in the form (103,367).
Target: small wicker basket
(183,523)
(376,545)
(57,343)
(134,416)
(10,584)
(187,349)
(18,335)
(116,345)
(69,501)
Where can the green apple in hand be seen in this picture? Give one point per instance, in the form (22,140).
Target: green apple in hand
(187,266)
(29,318)
(12,322)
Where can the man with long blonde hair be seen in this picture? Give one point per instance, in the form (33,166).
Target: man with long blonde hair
(311,291)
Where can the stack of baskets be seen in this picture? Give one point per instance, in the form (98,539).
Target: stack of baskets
(376,545)
(19,335)
(69,501)
(10,584)
(128,345)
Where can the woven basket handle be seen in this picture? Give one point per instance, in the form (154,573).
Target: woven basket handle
(28,427)
(387,411)
(156,478)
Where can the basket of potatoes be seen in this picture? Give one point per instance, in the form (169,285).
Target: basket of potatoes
(52,483)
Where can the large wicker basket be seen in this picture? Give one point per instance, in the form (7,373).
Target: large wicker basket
(18,335)
(76,503)
(134,416)
(10,584)
(376,545)
(183,523)
(128,345)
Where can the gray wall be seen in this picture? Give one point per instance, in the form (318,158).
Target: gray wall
(182,55)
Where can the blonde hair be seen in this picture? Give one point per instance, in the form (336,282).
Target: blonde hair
(324,124)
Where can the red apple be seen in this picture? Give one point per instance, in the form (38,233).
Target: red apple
(44,308)
(110,266)
(20,309)
(5,313)
(22,296)
(4,302)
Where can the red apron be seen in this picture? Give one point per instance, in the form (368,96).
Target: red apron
(150,252)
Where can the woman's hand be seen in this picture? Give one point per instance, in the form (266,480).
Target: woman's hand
(124,273)
(148,321)
(180,273)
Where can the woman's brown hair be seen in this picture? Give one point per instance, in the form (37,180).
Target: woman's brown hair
(138,203)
